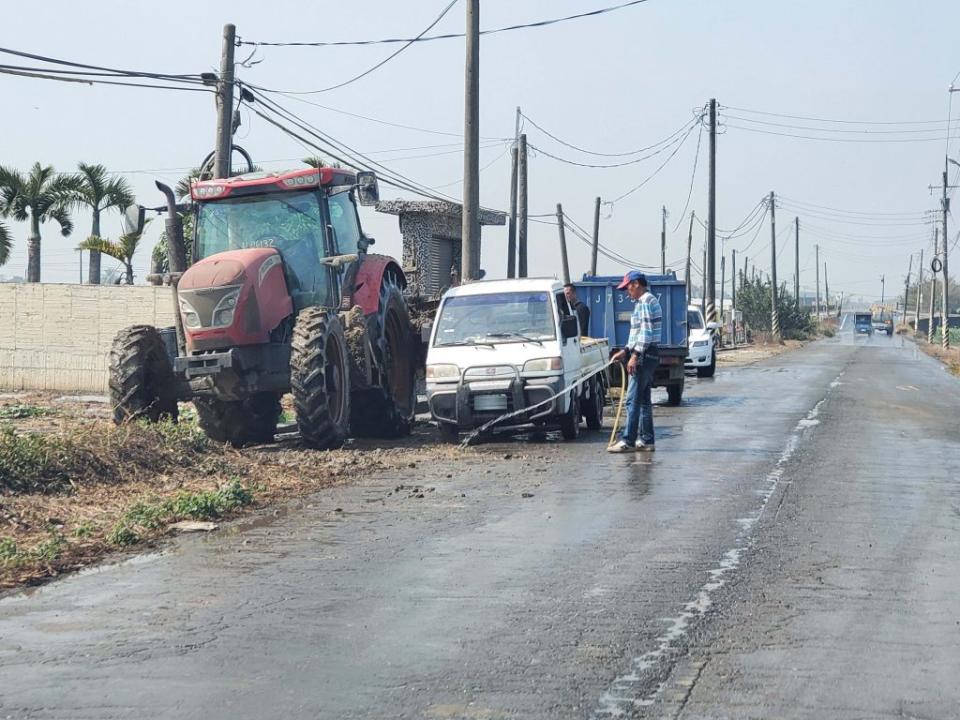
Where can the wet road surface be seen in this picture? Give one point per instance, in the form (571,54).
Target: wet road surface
(789,551)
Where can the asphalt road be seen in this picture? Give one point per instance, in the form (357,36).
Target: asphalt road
(791,550)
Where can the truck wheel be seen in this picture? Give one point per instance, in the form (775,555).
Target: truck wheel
(142,384)
(570,422)
(387,409)
(320,378)
(710,369)
(449,433)
(593,406)
(240,422)
(674,393)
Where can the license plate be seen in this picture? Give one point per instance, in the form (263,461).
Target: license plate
(669,360)
(488,403)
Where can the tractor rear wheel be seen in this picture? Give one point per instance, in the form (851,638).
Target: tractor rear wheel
(240,422)
(320,378)
(141,378)
(387,409)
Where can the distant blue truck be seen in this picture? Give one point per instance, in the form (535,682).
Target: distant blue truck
(610,311)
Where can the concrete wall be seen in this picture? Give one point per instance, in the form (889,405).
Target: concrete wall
(57,337)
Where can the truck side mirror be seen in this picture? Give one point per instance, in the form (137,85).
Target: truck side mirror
(569,327)
(133,219)
(368,193)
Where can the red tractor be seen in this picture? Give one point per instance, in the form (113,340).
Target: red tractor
(282,297)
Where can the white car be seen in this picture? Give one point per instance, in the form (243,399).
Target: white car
(701,344)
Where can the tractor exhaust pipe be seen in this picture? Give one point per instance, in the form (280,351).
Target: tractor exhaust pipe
(176,248)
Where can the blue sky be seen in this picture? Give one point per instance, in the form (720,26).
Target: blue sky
(612,83)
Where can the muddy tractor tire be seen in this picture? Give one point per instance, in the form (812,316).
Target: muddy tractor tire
(240,422)
(142,384)
(387,409)
(320,378)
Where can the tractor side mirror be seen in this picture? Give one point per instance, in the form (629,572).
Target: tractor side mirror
(133,219)
(367,190)
(569,327)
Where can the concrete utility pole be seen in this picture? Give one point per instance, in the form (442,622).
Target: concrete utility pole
(817,261)
(916,312)
(470,229)
(796,260)
(906,288)
(774,312)
(723,285)
(733,294)
(703,292)
(224,146)
(522,208)
(689,249)
(596,238)
(883,288)
(826,291)
(711,268)
(933,285)
(512,226)
(945,293)
(663,240)
(563,244)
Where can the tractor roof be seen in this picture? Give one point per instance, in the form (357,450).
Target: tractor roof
(266,181)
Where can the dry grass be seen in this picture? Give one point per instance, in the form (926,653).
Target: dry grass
(756,351)
(106,487)
(950,358)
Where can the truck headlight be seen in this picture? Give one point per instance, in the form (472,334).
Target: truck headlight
(443,372)
(190,317)
(542,364)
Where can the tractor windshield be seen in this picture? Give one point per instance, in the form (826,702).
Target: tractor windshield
(291,222)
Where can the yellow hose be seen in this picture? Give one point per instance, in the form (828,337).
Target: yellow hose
(623,395)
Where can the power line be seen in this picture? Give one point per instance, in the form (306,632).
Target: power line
(693,176)
(195,78)
(834,130)
(657,171)
(447,36)
(383,62)
(847,212)
(88,81)
(829,120)
(842,140)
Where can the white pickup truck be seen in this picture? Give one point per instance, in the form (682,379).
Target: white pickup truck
(499,346)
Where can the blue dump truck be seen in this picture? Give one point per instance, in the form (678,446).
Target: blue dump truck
(610,311)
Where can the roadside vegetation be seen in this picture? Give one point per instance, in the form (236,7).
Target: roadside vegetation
(753,300)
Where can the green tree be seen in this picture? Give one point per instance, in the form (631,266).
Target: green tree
(38,197)
(319,162)
(123,249)
(753,300)
(100,192)
(6,243)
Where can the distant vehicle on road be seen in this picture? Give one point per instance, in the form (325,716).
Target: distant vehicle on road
(503,345)
(702,343)
(883,322)
(863,323)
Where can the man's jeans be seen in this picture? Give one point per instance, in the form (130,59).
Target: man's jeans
(639,407)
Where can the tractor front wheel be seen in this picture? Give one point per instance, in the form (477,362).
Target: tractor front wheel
(240,422)
(141,378)
(320,378)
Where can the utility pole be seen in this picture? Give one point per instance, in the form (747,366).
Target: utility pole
(711,268)
(933,285)
(224,147)
(703,292)
(826,291)
(733,294)
(906,289)
(522,208)
(817,307)
(470,232)
(774,314)
(796,260)
(663,240)
(512,227)
(916,313)
(563,245)
(945,293)
(723,285)
(883,288)
(689,249)
(596,238)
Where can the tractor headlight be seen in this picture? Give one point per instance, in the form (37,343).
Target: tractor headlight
(190,317)
(543,364)
(443,372)
(223,313)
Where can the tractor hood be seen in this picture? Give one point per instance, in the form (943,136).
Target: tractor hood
(233,298)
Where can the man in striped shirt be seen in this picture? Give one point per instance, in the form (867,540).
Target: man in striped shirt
(643,352)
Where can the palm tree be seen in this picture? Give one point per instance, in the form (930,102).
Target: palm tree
(319,162)
(100,192)
(6,242)
(37,197)
(123,249)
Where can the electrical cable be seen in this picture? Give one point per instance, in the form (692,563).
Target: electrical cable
(88,81)
(839,140)
(693,177)
(657,171)
(847,212)
(448,36)
(605,154)
(833,130)
(195,78)
(829,120)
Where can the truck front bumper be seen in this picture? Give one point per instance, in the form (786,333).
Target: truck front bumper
(471,404)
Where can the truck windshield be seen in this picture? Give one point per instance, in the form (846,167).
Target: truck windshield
(495,318)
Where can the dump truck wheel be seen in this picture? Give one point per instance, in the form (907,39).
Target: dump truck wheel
(387,409)
(320,378)
(141,379)
(675,393)
(240,422)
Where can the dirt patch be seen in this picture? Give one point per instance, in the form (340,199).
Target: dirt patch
(749,354)
(80,489)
